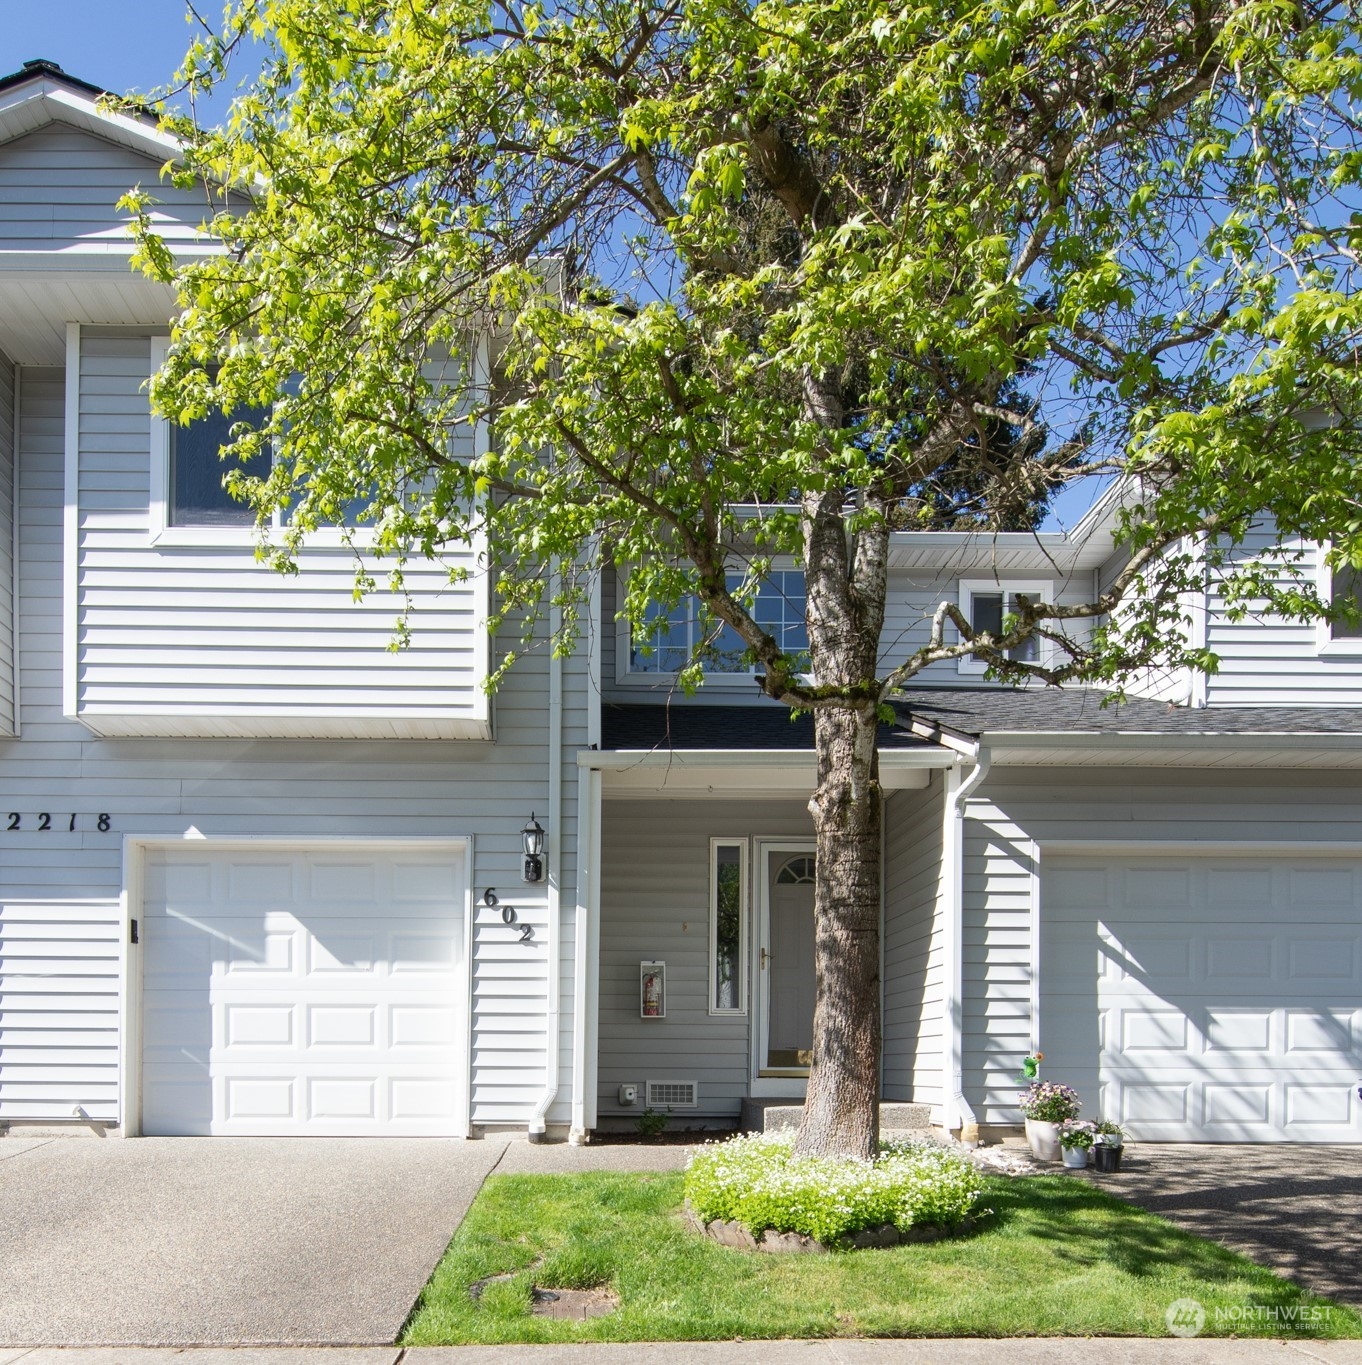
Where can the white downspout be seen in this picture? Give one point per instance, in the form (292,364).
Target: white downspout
(588,789)
(539,1119)
(588,813)
(956,1109)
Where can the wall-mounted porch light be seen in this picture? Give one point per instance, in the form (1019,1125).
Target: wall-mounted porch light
(532,840)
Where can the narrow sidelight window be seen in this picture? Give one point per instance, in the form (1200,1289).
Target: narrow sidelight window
(727,926)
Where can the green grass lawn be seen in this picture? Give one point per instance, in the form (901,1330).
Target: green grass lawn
(1056,1257)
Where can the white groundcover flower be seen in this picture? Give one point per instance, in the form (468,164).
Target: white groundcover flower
(756,1180)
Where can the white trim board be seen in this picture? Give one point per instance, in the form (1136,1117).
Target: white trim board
(70,615)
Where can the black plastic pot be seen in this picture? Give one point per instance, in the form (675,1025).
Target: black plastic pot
(1106,1158)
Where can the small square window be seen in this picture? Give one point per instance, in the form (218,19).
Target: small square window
(987,604)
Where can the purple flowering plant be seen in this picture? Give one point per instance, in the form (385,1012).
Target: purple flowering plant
(1048,1102)
(1077,1133)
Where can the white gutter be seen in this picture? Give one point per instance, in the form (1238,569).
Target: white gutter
(956,1108)
(538,1120)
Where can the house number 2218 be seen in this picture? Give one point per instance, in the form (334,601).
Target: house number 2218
(489,897)
(48,822)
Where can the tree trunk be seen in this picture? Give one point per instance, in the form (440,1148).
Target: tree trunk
(841,1111)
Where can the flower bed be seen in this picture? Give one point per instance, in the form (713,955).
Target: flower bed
(758,1182)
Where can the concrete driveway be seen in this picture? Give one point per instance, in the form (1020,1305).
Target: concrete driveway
(1295,1208)
(225,1241)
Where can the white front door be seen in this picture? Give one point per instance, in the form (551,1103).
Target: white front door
(1213,999)
(304,991)
(785,968)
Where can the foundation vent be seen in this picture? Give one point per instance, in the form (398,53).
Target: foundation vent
(672,1094)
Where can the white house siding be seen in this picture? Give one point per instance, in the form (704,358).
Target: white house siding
(199,640)
(913,945)
(7,600)
(1019,809)
(655,906)
(59,1018)
(1268,661)
(59,187)
(167,788)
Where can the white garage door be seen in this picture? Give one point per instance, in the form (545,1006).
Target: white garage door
(304,991)
(1210,999)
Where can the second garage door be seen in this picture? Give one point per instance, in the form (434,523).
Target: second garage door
(1210,999)
(308,991)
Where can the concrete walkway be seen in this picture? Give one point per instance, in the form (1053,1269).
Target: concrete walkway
(1293,1207)
(1045,1351)
(225,1241)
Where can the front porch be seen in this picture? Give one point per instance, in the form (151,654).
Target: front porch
(705,968)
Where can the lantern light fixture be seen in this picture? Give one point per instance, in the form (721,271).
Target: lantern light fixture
(532,841)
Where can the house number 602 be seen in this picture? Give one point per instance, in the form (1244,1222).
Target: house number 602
(489,898)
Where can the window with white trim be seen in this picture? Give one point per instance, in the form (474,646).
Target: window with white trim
(189,501)
(728,926)
(196,493)
(1346,584)
(987,603)
(668,638)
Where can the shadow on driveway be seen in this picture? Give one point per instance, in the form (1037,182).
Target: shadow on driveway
(1293,1207)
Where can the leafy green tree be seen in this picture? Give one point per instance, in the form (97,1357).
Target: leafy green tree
(742,280)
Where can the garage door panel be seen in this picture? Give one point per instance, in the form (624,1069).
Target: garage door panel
(1238,1019)
(323,1014)
(1320,957)
(1244,1032)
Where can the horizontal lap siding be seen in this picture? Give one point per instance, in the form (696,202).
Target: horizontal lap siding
(59,983)
(912,601)
(59,188)
(171,634)
(995,959)
(154,787)
(1018,805)
(913,946)
(1269,661)
(7,600)
(655,906)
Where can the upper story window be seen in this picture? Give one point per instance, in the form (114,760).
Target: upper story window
(197,496)
(668,639)
(1346,584)
(189,503)
(987,603)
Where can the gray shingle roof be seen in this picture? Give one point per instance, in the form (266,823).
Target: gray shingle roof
(1046,710)
(766,725)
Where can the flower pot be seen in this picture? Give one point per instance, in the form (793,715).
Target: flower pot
(1075,1157)
(1043,1139)
(1106,1159)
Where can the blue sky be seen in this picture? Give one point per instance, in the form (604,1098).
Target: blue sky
(123,45)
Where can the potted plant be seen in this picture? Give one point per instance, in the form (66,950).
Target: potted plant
(1108,1141)
(1075,1141)
(1045,1106)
